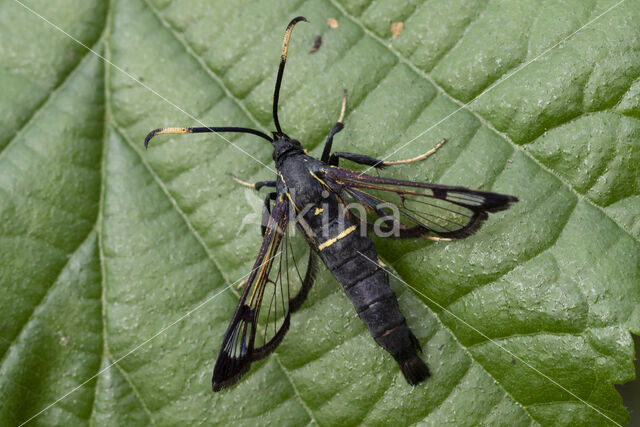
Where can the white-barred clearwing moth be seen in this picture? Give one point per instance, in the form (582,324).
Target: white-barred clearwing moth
(313,195)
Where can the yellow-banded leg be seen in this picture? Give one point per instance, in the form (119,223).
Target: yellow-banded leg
(363,159)
(335,129)
(418,158)
(266,210)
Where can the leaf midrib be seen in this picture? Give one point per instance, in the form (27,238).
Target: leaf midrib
(108,117)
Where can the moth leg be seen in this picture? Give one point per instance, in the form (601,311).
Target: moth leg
(418,158)
(266,211)
(335,129)
(257,186)
(362,159)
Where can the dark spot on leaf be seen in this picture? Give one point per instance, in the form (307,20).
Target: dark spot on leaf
(317,42)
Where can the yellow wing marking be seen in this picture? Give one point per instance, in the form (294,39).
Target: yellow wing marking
(257,290)
(292,202)
(260,280)
(321,181)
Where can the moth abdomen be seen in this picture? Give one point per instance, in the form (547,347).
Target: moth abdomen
(366,284)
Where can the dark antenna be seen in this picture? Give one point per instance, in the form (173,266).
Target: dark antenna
(177,130)
(283,61)
(276,95)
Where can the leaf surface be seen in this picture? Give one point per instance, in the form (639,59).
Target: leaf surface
(117,262)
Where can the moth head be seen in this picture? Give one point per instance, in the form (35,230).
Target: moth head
(283,146)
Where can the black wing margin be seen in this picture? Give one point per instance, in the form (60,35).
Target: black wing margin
(277,286)
(419,209)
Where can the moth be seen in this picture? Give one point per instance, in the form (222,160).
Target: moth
(309,214)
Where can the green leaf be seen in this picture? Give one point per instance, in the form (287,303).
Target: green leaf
(117,262)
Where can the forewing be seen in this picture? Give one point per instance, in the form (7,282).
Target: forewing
(277,285)
(419,209)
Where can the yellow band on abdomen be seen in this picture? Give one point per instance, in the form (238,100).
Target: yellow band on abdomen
(338,237)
